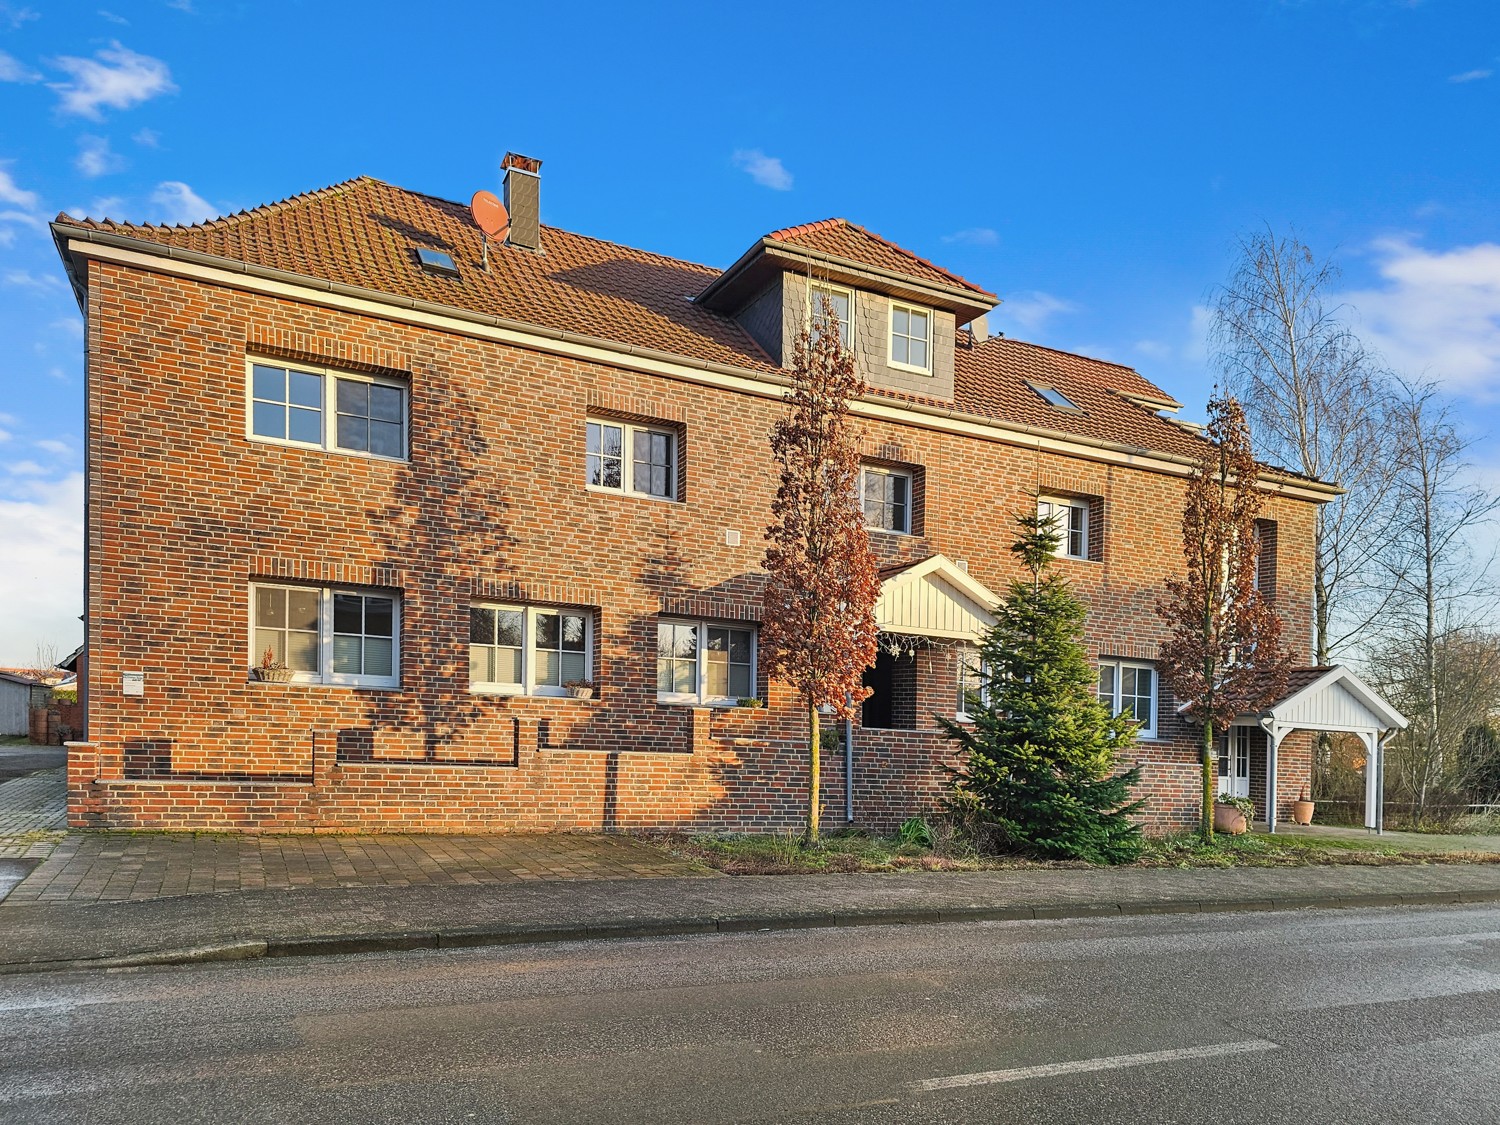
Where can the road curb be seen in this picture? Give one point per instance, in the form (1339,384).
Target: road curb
(475,936)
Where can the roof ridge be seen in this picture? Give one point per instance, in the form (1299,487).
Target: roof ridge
(238,216)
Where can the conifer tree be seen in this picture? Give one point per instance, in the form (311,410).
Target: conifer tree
(1038,761)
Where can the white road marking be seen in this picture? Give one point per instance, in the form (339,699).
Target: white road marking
(1114,1062)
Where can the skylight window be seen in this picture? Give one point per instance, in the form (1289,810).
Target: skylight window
(437,261)
(1054,397)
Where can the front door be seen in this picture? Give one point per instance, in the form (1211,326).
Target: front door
(1234,764)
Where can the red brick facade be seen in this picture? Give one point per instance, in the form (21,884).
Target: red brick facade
(185,513)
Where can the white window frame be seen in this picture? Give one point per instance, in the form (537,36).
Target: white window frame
(1069,504)
(325,674)
(528,684)
(698,698)
(1115,705)
(969,656)
(890,336)
(814,307)
(881,470)
(627,458)
(329,407)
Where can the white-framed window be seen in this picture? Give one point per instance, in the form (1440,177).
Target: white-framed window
(317,408)
(911,338)
(972,679)
(842,301)
(704,662)
(623,457)
(327,635)
(528,650)
(1070,519)
(886,496)
(1129,688)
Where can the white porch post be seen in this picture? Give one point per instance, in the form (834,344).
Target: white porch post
(1380,740)
(1373,785)
(1274,734)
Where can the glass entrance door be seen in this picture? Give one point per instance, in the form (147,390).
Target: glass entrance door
(1234,764)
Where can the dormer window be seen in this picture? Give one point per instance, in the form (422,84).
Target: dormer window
(842,303)
(911,338)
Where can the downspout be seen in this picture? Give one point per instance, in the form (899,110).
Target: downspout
(848,766)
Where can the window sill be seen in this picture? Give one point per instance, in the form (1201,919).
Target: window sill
(706,704)
(907,367)
(358,454)
(517,693)
(394,686)
(624,495)
(891,531)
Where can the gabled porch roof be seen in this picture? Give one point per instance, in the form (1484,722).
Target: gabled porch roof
(934,598)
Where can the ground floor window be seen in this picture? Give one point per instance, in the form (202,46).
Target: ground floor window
(702,662)
(1130,689)
(327,635)
(528,650)
(972,678)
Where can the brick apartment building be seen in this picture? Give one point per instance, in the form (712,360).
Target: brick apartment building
(440,490)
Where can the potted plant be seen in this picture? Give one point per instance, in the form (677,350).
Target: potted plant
(580,689)
(1302,808)
(751,701)
(1232,814)
(270,669)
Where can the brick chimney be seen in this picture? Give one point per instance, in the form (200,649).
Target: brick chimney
(523,199)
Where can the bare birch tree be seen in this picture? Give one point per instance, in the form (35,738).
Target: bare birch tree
(1316,402)
(1438,580)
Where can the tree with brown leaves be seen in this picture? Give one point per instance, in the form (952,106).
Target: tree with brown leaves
(1224,654)
(818,631)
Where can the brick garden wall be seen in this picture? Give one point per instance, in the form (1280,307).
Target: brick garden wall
(185,513)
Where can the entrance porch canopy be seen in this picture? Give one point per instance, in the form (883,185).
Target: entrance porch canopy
(934,598)
(1330,699)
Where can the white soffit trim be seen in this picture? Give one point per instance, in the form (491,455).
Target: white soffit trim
(152,259)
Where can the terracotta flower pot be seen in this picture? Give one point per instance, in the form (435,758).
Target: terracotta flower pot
(1229,820)
(1302,812)
(581,692)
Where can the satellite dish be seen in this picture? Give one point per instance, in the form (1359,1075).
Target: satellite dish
(489,213)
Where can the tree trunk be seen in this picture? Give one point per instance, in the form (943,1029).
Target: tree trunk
(1210,778)
(814,774)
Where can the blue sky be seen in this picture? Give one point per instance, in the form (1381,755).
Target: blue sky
(1092,163)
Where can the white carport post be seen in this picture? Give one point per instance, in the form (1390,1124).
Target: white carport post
(1275,732)
(1373,786)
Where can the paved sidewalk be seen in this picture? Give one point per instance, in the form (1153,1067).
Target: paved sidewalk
(33,815)
(36,935)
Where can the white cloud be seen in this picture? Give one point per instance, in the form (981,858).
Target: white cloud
(178,203)
(22,469)
(182,6)
(25,280)
(1153,349)
(112,18)
(10,192)
(1470,76)
(36,222)
(5,435)
(765,170)
(1436,314)
(70,326)
(18,16)
(41,568)
(146,138)
(96,158)
(13,69)
(116,77)
(1030,311)
(973,236)
(50,446)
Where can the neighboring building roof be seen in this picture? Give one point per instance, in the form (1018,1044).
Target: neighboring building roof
(25,679)
(365,233)
(844,239)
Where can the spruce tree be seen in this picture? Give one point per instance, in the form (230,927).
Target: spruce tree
(1037,762)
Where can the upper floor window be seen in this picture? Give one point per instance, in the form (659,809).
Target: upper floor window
(623,457)
(842,303)
(1265,558)
(321,409)
(911,338)
(328,635)
(886,495)
(1130,689)
(528,650)
(1070,519)
(700,662)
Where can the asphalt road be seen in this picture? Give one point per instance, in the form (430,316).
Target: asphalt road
(17,759)
(1349,1016)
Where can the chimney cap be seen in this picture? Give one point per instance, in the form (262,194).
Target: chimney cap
(521,163)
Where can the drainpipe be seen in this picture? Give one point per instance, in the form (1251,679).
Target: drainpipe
(848,766)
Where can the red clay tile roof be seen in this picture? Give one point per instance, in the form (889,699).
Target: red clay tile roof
(844,239)
(365,233)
